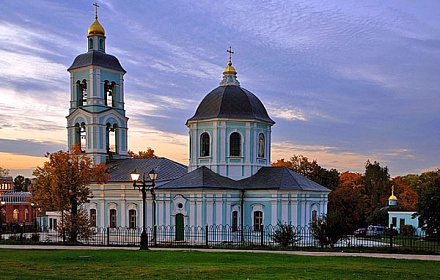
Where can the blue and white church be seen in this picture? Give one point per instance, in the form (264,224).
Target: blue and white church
(229,179)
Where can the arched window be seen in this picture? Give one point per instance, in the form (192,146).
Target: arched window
(234,220)
(83,137)
(258,220)
(132,218)
(112,146)
(15,214)
(81,92)
(26,215)
(314,216)
(90,44)
(261,145)
(109,92)
(204,144)
(235,144)
(101,44)
(112,218)
(93,217)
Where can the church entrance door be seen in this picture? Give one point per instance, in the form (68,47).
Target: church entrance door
(179,227)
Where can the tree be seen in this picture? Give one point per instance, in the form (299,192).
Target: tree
(61,185)
(377,185)
(312,170)
(21,184)
(349,204)
(407,197)
(149,153)
(428,209)
(4,172)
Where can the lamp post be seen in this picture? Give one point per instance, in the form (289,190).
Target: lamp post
(146,185)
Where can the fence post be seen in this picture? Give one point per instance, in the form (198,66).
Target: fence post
(206,235)
(391,235)
(108,236)
(21,233)
(262,234)
(155,235)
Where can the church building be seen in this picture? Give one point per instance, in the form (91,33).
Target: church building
(229,179)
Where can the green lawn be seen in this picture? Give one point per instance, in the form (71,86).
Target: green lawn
(123,264)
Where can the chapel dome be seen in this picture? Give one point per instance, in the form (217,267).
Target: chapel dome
(231,102)
(96,29)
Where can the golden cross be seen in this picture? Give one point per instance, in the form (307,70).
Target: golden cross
(96,10)
(230,53)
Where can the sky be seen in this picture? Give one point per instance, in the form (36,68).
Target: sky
(345,81)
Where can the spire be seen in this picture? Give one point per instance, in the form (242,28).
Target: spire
(96,28)
(392,200)
(230,75)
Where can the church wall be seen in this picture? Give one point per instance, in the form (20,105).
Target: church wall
(202,207)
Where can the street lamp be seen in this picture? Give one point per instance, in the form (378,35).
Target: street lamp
(146,185)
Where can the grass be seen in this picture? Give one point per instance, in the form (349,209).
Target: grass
(127,264)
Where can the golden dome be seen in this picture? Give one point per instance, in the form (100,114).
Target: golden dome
(230,68)
(96,29)
(392,196)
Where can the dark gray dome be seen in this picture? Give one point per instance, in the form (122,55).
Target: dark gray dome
(96,58)
(231,102)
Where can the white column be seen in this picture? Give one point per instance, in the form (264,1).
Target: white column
(273,219)
(284,209)
(218,211)
(209,208)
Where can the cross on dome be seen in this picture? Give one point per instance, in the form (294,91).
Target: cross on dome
(96,10)
(230,55)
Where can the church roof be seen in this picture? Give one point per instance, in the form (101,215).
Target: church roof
(166,169)
(281,178)
(202,178)
(231,102)
(96,58)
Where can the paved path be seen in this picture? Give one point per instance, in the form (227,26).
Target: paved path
(303,253)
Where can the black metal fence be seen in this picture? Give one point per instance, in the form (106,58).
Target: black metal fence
(222,236)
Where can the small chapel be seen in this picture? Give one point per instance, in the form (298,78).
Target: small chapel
(229,179)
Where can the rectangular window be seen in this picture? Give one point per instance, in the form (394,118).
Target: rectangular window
(394,221)
(132,218)
(112,218)
(258,220)
(93,217)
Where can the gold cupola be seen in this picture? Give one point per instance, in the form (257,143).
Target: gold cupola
(96,29)
(230,75)
(392,200)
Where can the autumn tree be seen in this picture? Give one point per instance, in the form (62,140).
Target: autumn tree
(21,184)
(4,172)
(62,185)
(407,197)
(349,202)
(311,169)
(149,153)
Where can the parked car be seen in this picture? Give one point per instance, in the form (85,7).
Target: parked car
(360,232)
(375,231)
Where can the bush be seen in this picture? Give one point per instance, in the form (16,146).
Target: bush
(35,237)
(284,234)
(407,230)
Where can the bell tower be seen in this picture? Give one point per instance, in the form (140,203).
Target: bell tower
(96,119)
